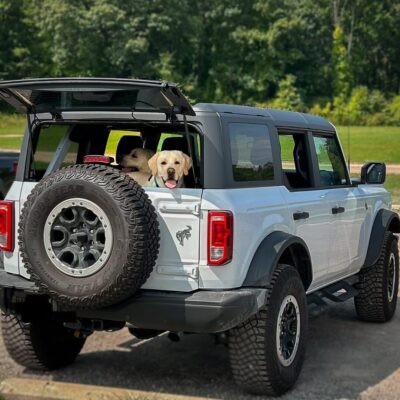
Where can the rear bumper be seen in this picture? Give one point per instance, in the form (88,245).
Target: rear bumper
(203,311)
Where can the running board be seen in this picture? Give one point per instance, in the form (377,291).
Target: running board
(337,292)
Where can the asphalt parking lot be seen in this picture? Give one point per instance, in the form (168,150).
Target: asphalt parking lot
(344,358)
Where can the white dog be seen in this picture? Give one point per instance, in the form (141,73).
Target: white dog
(167,169)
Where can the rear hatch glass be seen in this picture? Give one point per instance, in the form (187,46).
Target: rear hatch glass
(94,94)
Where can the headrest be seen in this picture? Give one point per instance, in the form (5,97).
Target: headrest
(126,144)
(176,143)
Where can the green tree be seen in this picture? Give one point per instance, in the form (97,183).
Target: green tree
(341,65)
(19,52)
(288,97)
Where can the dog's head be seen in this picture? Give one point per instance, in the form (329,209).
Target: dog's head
(137,158)
(170,167)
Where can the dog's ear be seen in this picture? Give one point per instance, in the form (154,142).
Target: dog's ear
(187,165)
(153,164)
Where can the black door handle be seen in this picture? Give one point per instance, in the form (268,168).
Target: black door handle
(338,210)
(300,215)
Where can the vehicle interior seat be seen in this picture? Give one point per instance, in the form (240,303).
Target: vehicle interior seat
(126,144)
(300,178)
(176,143)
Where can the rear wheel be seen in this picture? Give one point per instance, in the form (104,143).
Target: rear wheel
(267,351)
(44,345)
(378,285)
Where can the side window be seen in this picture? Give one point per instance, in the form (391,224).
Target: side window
(332,168)
(251,152)
(47,144)
(295,161)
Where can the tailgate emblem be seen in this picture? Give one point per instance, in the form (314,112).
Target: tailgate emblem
(183,234)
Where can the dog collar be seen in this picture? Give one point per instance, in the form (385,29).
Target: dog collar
(155,181)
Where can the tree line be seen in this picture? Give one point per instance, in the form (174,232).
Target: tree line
(338,58)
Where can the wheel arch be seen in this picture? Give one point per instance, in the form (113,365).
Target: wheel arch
(279,248)
(385,220)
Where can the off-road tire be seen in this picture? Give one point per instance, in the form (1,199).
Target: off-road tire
(253,352)
(372,302)
(135,242)
(43,345)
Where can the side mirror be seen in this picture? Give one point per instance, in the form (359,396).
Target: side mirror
(373,173)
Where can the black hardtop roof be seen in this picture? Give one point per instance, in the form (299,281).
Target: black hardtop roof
(280,118)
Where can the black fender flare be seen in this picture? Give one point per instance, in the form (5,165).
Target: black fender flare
(267,256)
(384,220)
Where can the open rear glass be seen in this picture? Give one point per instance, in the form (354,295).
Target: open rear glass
(94,94)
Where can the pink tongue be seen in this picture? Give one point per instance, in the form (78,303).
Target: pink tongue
(170,184)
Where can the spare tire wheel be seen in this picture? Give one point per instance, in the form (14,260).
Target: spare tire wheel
(88,236)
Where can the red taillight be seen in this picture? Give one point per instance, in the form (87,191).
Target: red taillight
(220,237)
(97,159)
(6,225)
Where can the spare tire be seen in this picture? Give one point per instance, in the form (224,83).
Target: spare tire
(88,236)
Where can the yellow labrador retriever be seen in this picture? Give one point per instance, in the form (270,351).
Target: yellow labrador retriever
(138,158)
(167,168)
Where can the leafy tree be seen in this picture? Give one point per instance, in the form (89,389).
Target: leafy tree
(288,96)
(341,65)
(19,53)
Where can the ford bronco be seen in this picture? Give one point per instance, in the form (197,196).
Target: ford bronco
(269,222)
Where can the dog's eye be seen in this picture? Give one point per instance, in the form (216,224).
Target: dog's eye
(177,162)
(163,163)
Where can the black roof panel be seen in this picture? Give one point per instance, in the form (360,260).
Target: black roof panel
(280,118)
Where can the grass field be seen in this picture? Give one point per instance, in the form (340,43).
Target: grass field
(366,144)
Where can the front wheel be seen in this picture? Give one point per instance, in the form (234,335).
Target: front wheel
(379,284)
(267,351)
(42,345)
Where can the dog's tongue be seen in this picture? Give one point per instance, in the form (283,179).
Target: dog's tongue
(170,184)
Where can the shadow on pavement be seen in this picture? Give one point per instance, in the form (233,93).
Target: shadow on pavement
(344,358)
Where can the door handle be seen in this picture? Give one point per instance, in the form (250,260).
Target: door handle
(300,215)
(338,210)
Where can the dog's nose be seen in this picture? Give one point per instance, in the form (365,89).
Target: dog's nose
(171,171)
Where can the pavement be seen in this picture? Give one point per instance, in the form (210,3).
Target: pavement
(346,359)
(355,168)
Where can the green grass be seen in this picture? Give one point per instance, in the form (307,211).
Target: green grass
(375,143)
(392,184)
(366,143)
(11,131)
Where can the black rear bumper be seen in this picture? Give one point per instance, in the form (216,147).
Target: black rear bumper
(202,311)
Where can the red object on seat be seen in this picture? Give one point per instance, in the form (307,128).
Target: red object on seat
(97,159)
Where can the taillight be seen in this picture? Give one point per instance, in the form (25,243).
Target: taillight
(6,225)
(220,237)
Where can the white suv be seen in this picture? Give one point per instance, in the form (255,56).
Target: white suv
(268,221)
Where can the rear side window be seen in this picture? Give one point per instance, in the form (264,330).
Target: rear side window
(251,152)
(47,144)
(332,168)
